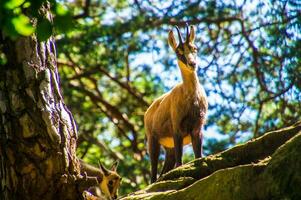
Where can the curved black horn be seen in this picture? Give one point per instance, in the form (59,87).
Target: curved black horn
(187,32)
(179,34)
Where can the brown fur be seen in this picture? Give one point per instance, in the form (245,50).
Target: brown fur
(176,118)
(108,180)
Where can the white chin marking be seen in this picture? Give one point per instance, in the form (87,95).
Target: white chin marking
(186,66)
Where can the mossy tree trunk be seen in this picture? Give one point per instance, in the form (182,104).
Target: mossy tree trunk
(37,131)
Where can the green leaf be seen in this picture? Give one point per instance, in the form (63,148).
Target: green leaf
(22,25)
(44,29)
(3,59)
(63,23)
(60,9)
(11,4)
(26,5)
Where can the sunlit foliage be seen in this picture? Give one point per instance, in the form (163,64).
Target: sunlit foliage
(113,60)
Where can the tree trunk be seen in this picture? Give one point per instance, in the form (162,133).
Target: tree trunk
(266,168)
(37,132)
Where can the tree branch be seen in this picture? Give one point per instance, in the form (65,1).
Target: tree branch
(91,140)
(113,113)
(85,10)
(98,68)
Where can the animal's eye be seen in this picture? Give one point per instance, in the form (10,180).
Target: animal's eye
(194,49)
(179,51)
(110,182)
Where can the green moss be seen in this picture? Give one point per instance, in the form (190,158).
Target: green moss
(170,184)
(283,173)
(272,173)
(146,196)
(187,170)
(250,152)
(232,183)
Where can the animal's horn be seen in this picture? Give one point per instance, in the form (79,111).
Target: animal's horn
(179,34)
(187,32)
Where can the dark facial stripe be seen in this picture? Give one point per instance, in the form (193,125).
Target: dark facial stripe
(110,187)
(181,57)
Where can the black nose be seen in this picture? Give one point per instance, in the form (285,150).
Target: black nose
(115,196)
(192,64)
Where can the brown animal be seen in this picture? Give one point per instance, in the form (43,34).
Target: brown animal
(89,196)
(109,180)
(176,118)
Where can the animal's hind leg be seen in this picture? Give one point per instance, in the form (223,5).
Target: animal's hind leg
(154,150)
(170,160)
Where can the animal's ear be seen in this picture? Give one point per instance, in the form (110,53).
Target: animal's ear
(103,169)
(191,34)
(172,40)
(114,166)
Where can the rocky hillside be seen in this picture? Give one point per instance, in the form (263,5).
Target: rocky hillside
(268,167)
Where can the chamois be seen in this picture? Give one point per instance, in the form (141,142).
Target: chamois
(177,117)
(108,180)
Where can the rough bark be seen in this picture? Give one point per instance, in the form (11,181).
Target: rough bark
(266,168)
(37,132)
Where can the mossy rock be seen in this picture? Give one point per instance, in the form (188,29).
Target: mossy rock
(266,168)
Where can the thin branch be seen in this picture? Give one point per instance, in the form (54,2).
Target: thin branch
(248,31)
(279,93)
(138,6)
(98,68)
(91,140)
(256,134)
(182,23)
(134,142)
(113,110)
(127,65)
(111,118)
(85,10)
(113,113)
(255,54)
(85,150)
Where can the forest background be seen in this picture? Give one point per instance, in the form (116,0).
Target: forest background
(114,60)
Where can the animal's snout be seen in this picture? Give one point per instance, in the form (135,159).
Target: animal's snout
(192,64)
(191,61)
(115,196)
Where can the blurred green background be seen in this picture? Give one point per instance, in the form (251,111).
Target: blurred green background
(114,60)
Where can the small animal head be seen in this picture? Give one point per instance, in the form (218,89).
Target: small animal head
(186,51)
(110,182)
(89,196)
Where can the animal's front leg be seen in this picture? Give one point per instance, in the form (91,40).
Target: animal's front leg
(178,142)
(197,141)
